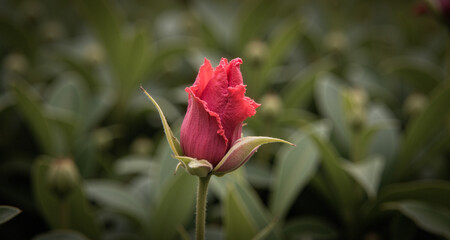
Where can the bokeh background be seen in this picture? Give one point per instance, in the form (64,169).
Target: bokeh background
(361,87)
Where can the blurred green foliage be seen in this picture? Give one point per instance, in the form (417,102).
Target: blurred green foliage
(361,87)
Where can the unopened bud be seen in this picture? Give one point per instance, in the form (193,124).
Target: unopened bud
(415,104)
(355,105)
(336,41)
(16,62)
(271,104)
(52,30)
(62,177)
(256,51)
(93,54)
(142,146)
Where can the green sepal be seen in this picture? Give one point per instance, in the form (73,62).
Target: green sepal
(241,151)
(173,141)
(195,167)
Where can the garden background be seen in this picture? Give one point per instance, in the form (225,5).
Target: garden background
(361,87)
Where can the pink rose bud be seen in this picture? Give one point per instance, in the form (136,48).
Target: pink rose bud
(211,141)
(216,110)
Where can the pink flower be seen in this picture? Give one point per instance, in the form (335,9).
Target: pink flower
(216,110)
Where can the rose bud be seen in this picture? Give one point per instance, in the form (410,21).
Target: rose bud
(211,139)
(217,107)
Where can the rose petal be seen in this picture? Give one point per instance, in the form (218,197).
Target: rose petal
(202,135)
(204,75)
(234,73)
(237,109)
(215,93)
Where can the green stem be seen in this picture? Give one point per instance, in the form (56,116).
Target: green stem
(64,211)
(357,146)
(202,192)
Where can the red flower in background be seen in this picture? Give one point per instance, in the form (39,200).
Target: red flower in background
(216,110)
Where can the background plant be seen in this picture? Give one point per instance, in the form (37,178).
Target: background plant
(362,89)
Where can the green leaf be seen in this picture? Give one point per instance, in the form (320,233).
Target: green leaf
(431,218)
(294,168)
(173,141)
(68,94)
(252,19)
(135,165)
(14,36)
(300,90)
(7,213)
(259,175)
(365,77)
(35,116)
(432,191)
(280,43)
(420,73)
(81,216)
(61,234)
(420,132)
(67,104)
(264,233)
(167,164)
(237,218)
(241,151)
(383,134)
(217,183)
(248,201)
(129,54)
(367,173)
(339,185)
(309,228)
(105,21)
(118,198)
(174,205)
(330,103)
(82,69)
(136,60)
(256,209)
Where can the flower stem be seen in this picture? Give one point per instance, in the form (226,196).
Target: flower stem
(64,213)
(202,192)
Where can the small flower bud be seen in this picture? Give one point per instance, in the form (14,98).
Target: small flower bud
(336,41)
(142,146)
(355,105)
(16,63)
(93,54)
(415,104)
(256,51)
(271,104)
(52,31)
(62,176)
